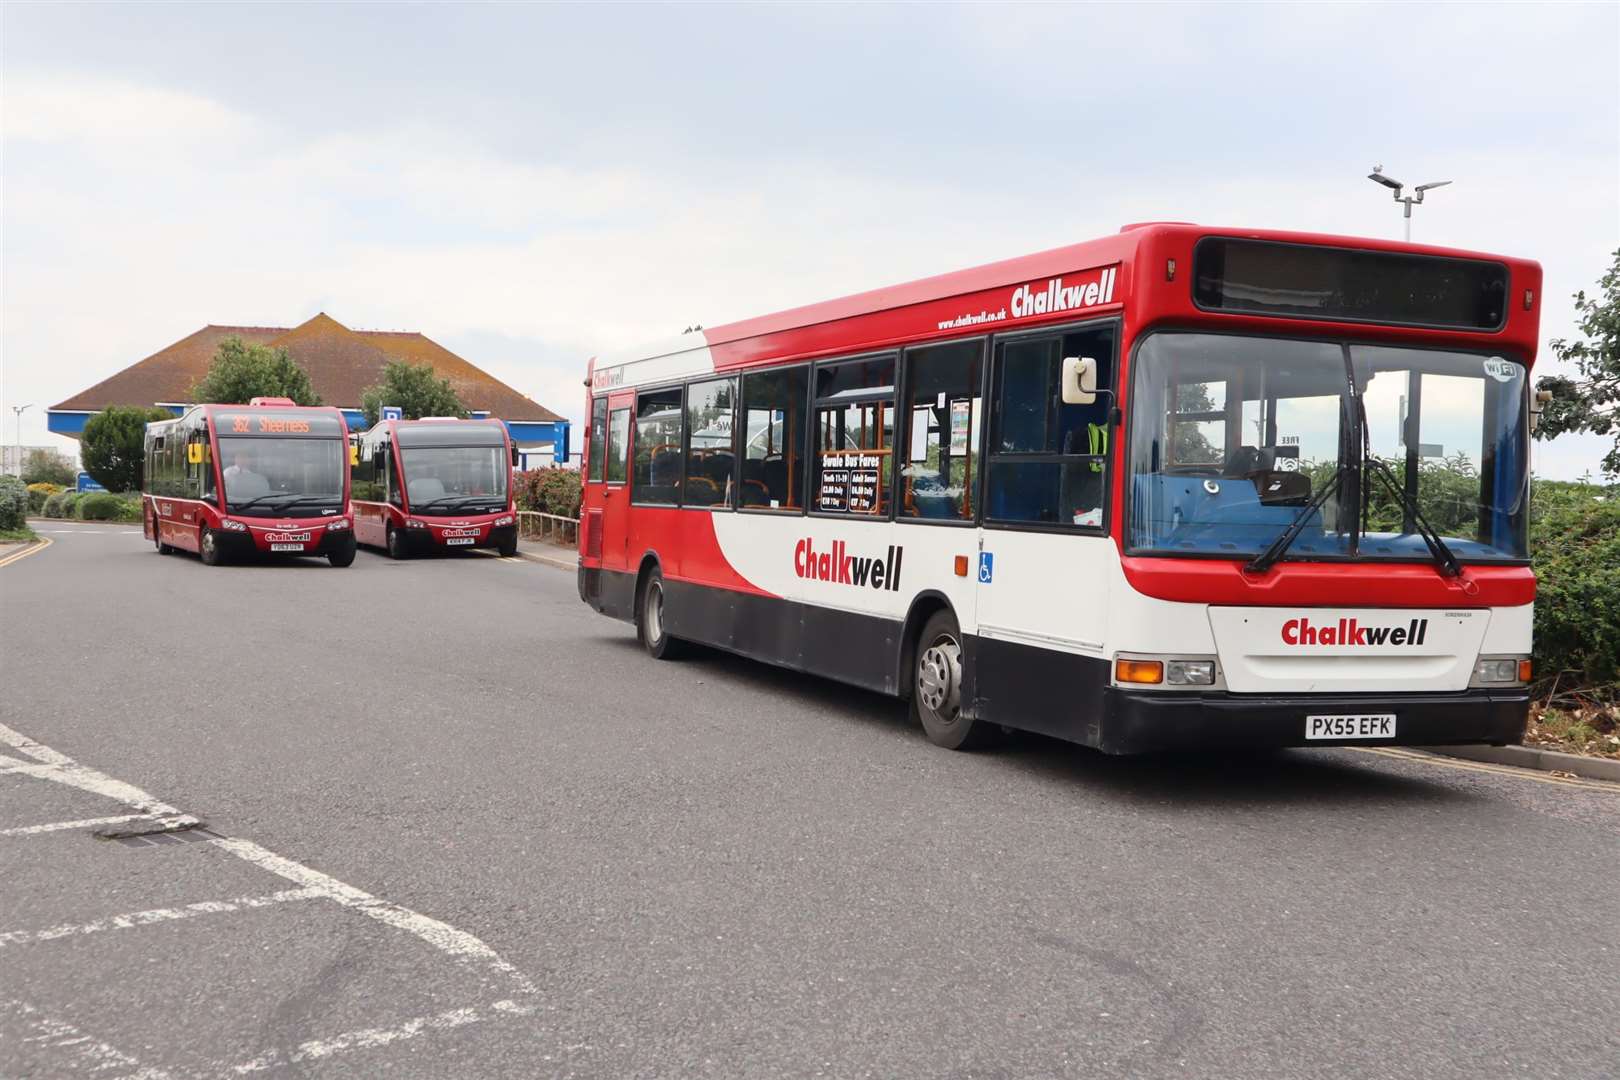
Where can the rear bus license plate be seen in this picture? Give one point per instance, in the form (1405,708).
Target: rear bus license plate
(460,539)
(286,547)
(1362,726)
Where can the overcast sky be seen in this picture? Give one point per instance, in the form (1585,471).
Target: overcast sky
(531,185)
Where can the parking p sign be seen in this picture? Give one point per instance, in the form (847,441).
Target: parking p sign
(393,412)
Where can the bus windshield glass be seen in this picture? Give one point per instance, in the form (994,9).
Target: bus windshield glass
(1233,437)
(270,477)
(448,479)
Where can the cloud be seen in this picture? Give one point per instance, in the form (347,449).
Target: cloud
(109,114)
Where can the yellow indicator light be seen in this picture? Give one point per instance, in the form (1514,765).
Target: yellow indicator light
(1525,669)
(1139,671)
(961,566)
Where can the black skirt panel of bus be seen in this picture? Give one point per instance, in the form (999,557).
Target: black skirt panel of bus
(1041,690)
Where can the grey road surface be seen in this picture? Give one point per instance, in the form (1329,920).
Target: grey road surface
(459,826)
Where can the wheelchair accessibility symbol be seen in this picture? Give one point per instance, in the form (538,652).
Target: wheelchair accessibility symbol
(987,567)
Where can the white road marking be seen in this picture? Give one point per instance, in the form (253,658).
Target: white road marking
(442,936)
(159,915)
(371,1038)
(49,764)
(61,1035)
(84,823)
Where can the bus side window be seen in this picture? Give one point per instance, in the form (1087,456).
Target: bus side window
(1048,459)
(772,424)
(854,433)
(658,457)
(386,457)
(598,440)
(618,446)
(941,429)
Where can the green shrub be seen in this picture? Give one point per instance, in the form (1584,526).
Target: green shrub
(100,506)
(62,504)
(41,466)
(548,491)
(13,502)
(38,493)
(1575,548)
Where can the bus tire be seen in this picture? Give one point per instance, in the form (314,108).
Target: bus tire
(343,555)
(936,688)
(650,629)
(397,548)
(208,546)
(507,548)
(157,537)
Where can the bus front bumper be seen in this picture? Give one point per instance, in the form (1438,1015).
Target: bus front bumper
(1140,722)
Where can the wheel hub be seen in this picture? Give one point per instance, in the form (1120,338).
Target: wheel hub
(939,678)
(655,612)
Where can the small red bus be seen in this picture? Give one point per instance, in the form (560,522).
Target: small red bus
(268,476)
(1175,487)
(435,483)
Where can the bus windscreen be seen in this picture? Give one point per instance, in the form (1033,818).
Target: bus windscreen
(1302,281)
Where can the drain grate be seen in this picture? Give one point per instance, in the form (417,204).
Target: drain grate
(192,835)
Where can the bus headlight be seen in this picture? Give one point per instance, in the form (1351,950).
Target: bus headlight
(414,524)
(232,524)
(1189,672)
(507,520)
(336,524)
(1502,670)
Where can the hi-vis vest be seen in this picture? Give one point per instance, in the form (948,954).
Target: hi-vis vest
(1097,436)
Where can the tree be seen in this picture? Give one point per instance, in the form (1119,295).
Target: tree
(1591,401)
(416,389)
(241,372)
(113,445)
(47,467)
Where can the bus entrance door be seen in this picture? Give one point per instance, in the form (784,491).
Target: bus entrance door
(614,524)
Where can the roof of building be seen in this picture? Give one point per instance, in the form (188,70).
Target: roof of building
(341,363)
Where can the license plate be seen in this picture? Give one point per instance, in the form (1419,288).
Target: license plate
(461,540)
(1360,726)
(286,547)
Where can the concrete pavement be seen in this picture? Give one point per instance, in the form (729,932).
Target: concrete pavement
(497,840)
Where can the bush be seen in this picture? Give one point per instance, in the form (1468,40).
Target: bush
(549,491)
(100,506)
(13,503)
(61,505)
(43,466)
(1575,548)
(38,493)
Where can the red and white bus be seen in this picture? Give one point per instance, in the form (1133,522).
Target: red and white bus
(1176,487)
(435,483)
(268,476)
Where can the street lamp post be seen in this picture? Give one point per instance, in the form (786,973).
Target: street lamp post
(17,411)
(1415,199)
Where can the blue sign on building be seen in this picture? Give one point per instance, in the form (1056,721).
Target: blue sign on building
(88,484)
(393,412)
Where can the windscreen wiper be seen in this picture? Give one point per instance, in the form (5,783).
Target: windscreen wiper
(435,502)
(1444,560)
(238,507)
(1268,558)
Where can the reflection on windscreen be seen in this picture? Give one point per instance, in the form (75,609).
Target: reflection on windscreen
(271,476)
(449,477)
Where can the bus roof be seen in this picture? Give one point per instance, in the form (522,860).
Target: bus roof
(448,431)
(978,300)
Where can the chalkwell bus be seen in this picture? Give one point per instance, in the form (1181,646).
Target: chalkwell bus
(435,483)
(1176,487)
(268,476)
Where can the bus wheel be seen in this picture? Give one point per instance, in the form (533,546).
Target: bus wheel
(343,556)
(508,545)
(157,538)
(208,546)
(650,621)
(396,543)
(936,691)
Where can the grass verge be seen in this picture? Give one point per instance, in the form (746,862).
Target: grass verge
(24,535)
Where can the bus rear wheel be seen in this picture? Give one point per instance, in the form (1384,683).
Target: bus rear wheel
(650,628)
(397,548)
(208,547)
(936,688)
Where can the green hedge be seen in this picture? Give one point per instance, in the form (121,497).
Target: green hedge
(13,503)
(101,506)
(1575,548)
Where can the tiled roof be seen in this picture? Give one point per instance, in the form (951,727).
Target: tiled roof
(341,364)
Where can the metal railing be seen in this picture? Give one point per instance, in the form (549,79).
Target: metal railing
(533,525)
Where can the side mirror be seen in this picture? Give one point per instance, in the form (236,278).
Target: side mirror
(1538,402)
(1079,380)
(514,447)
